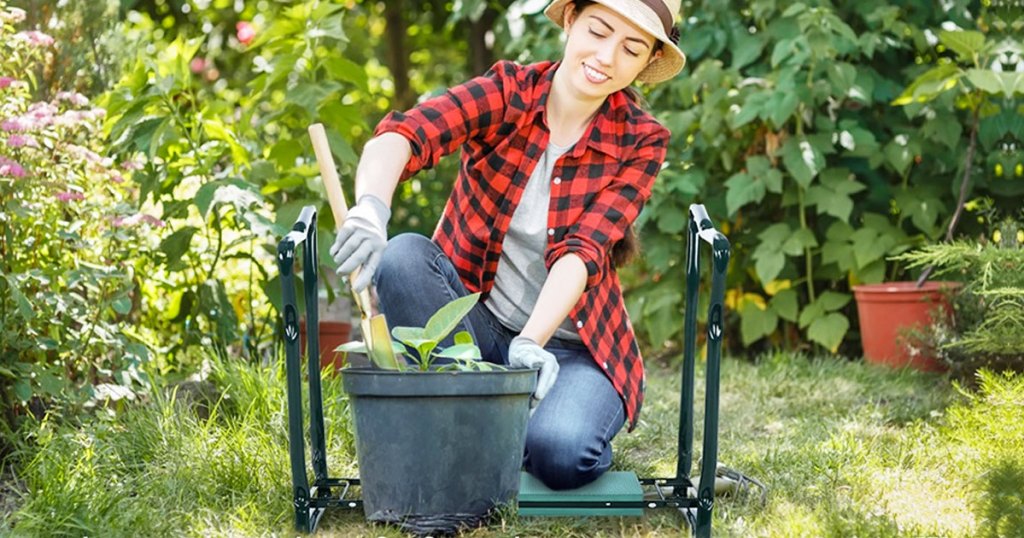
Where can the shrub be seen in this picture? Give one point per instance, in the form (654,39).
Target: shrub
(988,325)
(69,231)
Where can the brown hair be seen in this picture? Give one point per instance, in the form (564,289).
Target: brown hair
(627,248)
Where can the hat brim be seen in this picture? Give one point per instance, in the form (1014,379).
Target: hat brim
(667,66)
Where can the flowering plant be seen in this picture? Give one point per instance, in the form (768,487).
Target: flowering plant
(68,230)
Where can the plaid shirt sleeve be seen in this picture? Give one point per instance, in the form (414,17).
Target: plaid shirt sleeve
(438,126)
(611,210)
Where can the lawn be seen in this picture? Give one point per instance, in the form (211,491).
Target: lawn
(846,449)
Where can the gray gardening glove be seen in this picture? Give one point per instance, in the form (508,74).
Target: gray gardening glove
(525,353)
(362,239)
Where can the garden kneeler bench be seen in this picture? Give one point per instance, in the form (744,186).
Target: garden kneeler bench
(616,493)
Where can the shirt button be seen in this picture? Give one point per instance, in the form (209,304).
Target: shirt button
(551,231)
(579,324)
(606,366)
(557,180)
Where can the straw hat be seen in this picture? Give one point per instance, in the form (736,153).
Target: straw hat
(656,17)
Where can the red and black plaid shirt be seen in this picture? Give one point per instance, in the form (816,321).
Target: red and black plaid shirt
(597,190)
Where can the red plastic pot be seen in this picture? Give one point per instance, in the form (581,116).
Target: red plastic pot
(891,310)
(332,335)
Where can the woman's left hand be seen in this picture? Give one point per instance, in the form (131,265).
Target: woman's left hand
(525,353)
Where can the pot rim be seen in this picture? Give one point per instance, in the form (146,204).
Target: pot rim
(389,383)
(907,286)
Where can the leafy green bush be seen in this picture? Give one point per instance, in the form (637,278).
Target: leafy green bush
(69,237)
(227,159)
(784,127)
(87,52)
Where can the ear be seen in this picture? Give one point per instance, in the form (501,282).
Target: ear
(655,56)
(568,15)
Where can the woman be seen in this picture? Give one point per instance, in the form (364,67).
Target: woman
(557,162)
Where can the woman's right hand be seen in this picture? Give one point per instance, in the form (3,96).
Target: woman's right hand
(361,240)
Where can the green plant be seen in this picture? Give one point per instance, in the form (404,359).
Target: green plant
(785,128)
(88,50)
(976,79)
(988,329)
(782,126)
(70,233)
(424,340)
(224,158)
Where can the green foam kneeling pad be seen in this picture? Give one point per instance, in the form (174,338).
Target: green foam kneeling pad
(612,487)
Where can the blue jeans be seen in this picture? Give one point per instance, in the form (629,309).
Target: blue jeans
(568,437)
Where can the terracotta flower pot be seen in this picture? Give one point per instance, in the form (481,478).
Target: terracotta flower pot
(888,311)
(332,335)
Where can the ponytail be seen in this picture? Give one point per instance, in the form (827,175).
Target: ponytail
(626,249)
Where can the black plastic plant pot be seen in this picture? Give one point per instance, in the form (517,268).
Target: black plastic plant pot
(438,450)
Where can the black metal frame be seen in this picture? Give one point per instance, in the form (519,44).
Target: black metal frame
(311,501)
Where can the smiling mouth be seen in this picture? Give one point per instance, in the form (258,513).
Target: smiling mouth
(594,75)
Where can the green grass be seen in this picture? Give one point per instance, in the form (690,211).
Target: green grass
(847,450)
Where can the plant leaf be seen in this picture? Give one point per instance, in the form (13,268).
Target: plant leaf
(965,43)
(24,307)
(802,159)
(176,245)
(413,337)
(756,322)
(785,304)
(829,330)
(448,317)
(23,390)
(929,85)
(742,190)
(461,352)
(832,300)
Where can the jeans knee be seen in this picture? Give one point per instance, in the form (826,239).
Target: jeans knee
(402,259)
(562,460)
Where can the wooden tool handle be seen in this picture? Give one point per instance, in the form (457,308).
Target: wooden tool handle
(335,196)
(328,173)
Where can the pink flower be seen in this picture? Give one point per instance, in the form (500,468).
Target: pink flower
(67,196)
(87,154)
(15,125)
(34,37)
(153,221)
(116,178)
(131,165)
(149,220)
(10,168)
(15,15)
(5,82)
(18,141)
(42,112)
(245,32)
(74,98)
(197,65)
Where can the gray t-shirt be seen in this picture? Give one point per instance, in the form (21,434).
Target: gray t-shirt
(521,272)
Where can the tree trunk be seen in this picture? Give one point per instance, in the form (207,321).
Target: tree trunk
(481,57)
(397,55)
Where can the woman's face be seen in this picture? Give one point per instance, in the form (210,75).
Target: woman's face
(604,52)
